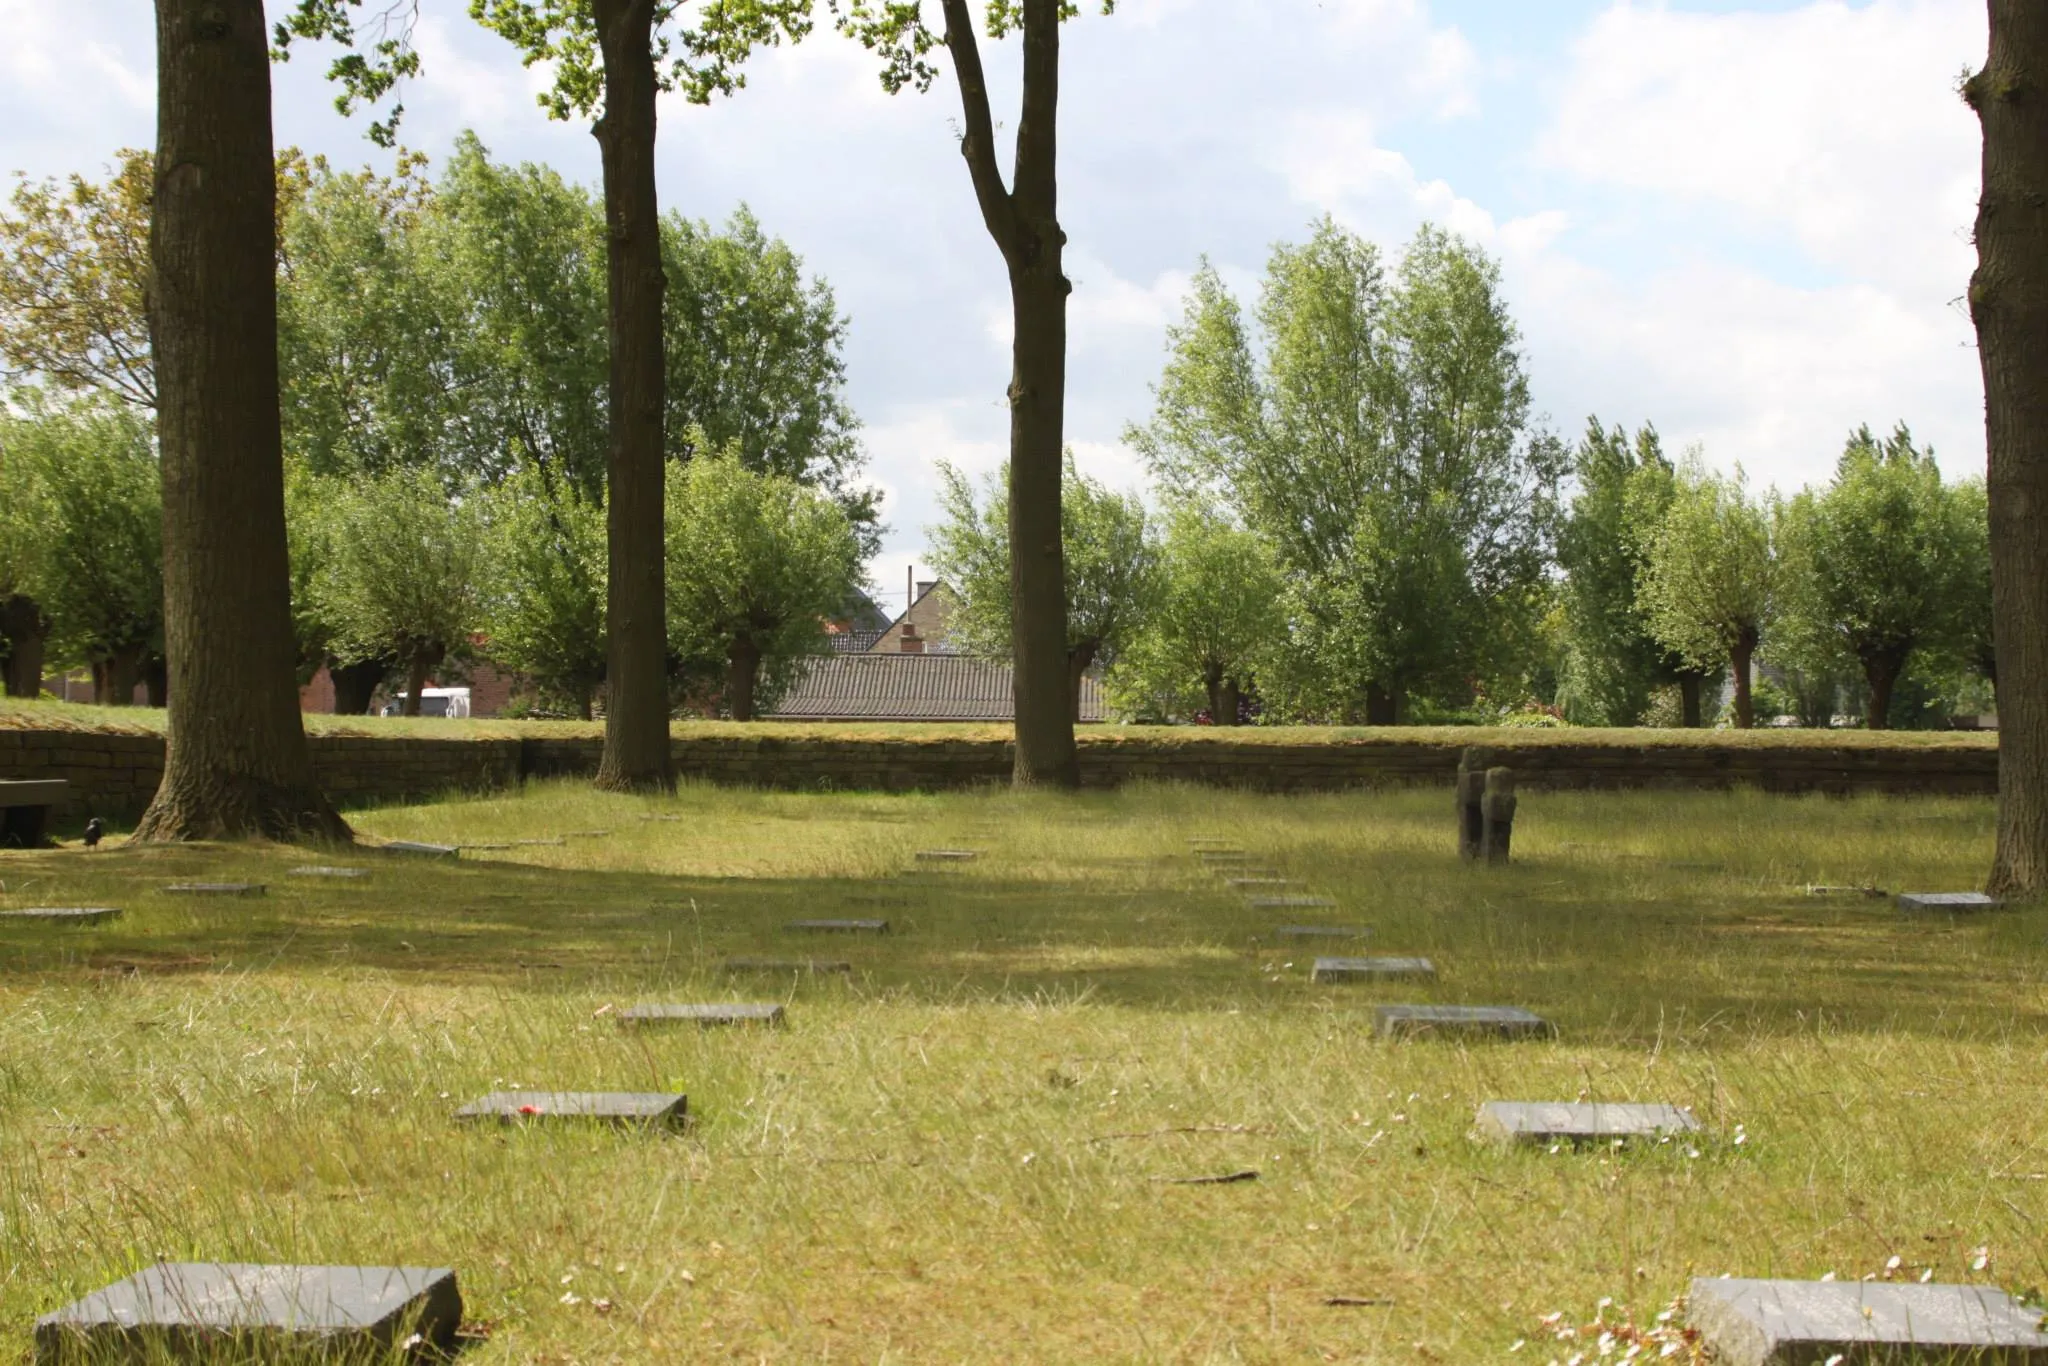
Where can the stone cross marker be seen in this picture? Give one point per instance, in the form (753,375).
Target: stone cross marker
(838,926)
(65,915)
(1763,1323)
(622,1108)
(418,850)
(1517,1121)
(1504,1022)
(704,1015)
(1370,969)
(191,1310)
(215,888)
(1946,901)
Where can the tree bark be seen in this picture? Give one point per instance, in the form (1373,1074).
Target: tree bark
(1078,660)
(1739,656)
(743,671)
(636,738)
(1382,705)
(1881,671)
(25,627)
(156,680)
(237,764)
(1023,220)
(2009,304)
(355,685)
(424,658)
(1212,684)
(114,678)
(1689,711)
(1232,694)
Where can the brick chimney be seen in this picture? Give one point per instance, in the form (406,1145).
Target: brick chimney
(911,642)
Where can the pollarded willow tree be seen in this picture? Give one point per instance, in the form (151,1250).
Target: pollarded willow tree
(237,763)
(1111,571)
(2009,304)
(1378,433)
(1023,219)
(1710,579)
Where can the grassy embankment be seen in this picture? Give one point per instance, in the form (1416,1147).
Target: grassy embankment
(962,1153)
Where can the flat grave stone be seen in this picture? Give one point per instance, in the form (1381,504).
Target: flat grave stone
(1764,1323)
(65,915)
(704,1015)
(322,870)
(810,965)
(838,926)
(622,1108)
(1946,901)
(179,1310)
(1541,1122)
(555,842)
(1262,882)
(1323,932)
(1223,855)
(1504,1022)
(485,848)
(1833,889)
(1289,903)
(215,889)
(1370,969)
(419,850)
(948,855)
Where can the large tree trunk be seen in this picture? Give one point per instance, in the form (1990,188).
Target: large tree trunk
(1689,710)
(114,678)
(25,627)
(1739,656)
(1023,220)
(743,671)
(2009,303)
(1881,670)
(1232,696)
(636,741)
(237,762)
(1382,705)
(424,658)
(156,680)
(355,685)
(1212,684)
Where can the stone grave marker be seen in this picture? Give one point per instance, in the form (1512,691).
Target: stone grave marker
(1423,1021)
(1471,791)
(181,1310)
(1764,1323)
(622,1108)
(810,965)
(1262,882)
(535,844)
(65,915)
(1538,1122)
(215,889)
(1322,932)
(484,848)
(1829,889)
(419,850)
(838,926)
(1497,815)
(1946,901)
(321,870)
(705,1015)
(1289,903)
(1370,969)
(948,855)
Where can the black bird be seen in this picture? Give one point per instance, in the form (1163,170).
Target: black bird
(93,830)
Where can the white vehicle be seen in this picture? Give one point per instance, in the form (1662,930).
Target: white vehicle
(451,702)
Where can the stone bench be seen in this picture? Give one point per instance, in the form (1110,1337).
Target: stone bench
(25,809)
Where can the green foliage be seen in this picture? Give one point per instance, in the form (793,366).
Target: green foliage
(1610,660)
(697,60)
(1710,583)
(1215,620)
(896,30)
(756,565)
(74,278)
(366,71)
(545,608)
(1382,443)
(1111,563)
(404,569)
(1879,566)
(90,524)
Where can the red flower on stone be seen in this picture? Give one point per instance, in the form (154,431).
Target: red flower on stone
(529,1109)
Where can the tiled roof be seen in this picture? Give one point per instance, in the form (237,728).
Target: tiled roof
(898,687)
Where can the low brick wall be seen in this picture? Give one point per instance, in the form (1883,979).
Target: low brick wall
(116,774)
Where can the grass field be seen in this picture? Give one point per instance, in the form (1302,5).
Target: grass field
(16,714)
(964,1152)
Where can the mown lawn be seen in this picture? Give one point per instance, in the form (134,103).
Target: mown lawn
(963,1152)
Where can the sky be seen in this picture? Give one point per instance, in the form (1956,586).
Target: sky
(1747,224)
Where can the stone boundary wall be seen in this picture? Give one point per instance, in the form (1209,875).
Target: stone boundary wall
(116,774)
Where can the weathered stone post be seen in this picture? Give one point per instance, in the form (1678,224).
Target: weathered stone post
(1498,814)
(1471,789)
